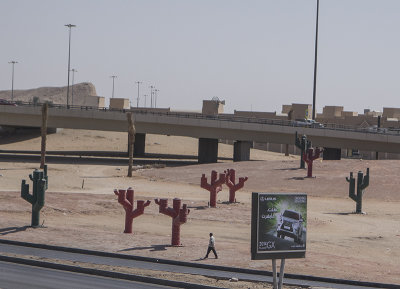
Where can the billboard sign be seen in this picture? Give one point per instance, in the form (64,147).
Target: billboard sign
(278,225)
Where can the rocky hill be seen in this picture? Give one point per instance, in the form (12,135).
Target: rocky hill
(56,95)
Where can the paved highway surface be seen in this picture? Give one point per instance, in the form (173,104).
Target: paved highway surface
(16,276)
(158,266)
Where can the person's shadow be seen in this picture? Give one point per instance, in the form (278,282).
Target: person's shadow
(198,207)
(151,248)
(10,230)
(200,259)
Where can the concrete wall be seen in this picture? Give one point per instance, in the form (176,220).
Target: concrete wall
(102,102)
(391,123)
(286,108)
(301,111)
(349,113)
(212,107)
(332,111)
(391,112)
(119,103)
(94,101)
(368,112)
(361,120)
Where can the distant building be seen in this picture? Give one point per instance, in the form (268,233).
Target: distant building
(213,107)
(332,116)
(119,103)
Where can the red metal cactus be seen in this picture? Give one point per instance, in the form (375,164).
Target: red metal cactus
(214,187)
(125,198)
(309,156)
(178,215)
(233,187)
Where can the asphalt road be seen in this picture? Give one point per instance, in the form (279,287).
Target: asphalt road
(157,266)
(16,276)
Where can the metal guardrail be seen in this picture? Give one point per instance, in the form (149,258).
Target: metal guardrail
(231,118)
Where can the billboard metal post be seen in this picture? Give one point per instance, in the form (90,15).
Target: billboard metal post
(281,273)
(274,273)
(278,229)
(277,283)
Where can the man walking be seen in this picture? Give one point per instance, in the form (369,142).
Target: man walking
(211,247)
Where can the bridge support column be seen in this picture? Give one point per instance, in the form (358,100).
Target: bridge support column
(208,150)
(287,150)
(139,147)
(332,154)
(241,151)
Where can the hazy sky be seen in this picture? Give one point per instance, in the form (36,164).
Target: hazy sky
(255,55)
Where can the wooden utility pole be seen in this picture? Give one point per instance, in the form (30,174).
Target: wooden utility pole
(290,115)
(45,108)
(131,141)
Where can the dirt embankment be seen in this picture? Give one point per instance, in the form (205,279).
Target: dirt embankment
(56,95)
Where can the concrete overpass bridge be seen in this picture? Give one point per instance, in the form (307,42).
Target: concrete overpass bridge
(208,129)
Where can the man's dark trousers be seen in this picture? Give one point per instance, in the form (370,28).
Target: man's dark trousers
(212,249)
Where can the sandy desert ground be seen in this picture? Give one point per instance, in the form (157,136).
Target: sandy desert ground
(82,211)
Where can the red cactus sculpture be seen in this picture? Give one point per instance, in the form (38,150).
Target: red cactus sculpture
(125,198)
(309,156)
(233,187)
(178,215)
(214,187)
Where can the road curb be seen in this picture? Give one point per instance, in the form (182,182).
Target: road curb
(203,266)
(104,273)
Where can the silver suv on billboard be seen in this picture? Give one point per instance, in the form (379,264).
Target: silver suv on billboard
(290,224)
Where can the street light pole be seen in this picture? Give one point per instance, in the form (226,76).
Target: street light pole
(145,100)
(113,77)
(138,83)
(69,58)
(155,97)
(13,62)
(151,95)
(72,87)
(315,62)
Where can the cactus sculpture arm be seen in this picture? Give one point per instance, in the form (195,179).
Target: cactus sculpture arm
(362,183)
(178,215)
(214,187)
(230,182)
(204,184)
(309,157)
(302,144)
(314,154)
(25,192)
(140,205)
(45,177)
(39,204)
(126,199)
(164,209)
(352,185)
(365,181)
(123,200)
(308,144)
